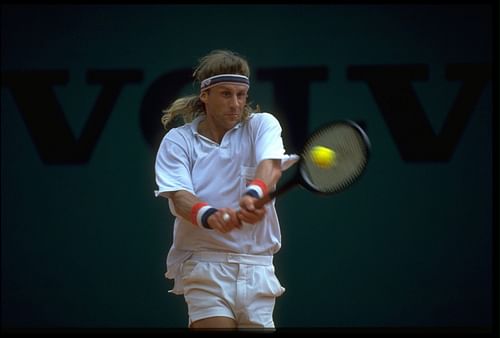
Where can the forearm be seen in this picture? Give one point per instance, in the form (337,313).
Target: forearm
(183,202)
(210,218)
(269,171)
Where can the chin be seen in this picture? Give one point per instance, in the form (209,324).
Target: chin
(234,117)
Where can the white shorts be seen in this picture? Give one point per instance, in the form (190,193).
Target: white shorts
(238,286)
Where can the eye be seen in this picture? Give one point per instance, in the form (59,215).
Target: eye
(226,94)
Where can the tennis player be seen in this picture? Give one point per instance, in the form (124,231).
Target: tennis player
(212,169)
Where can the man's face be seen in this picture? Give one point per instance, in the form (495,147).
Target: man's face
(224,104)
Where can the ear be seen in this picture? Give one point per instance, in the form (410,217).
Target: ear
(203,96)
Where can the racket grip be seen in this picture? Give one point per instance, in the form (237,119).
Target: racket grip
(269,197)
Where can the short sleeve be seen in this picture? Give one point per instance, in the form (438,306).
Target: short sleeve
(172,166)
(268,141)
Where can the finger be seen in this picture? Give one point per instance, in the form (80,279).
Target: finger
(239,218)
(249,219)
(244,215)
(247,203)
(260,212)
(250,204)
(224,225)
(236,220)
(217,223)
(253,216)
(230,219)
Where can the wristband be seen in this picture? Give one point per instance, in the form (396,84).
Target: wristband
(257,188)
(204,217)
(200,213)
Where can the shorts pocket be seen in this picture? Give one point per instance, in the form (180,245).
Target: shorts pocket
(272,285)
(189,268)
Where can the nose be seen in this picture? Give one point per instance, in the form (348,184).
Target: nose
(235,101)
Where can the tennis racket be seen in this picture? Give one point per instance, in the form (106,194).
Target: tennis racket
(346,148)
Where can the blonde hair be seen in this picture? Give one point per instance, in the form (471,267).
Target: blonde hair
(215,63)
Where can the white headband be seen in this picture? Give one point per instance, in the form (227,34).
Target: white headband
(224,78)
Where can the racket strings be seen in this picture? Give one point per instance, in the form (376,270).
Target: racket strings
(351,155)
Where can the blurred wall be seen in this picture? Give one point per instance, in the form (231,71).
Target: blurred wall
(410,245)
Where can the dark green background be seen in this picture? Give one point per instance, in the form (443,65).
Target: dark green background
(410,245)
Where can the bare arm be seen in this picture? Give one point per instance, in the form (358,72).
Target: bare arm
(269,171)
(184,201)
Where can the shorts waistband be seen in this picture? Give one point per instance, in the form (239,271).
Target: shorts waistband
(227,257)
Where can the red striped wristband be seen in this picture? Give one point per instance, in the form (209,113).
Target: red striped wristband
(200,213)
(194,212)
(257,187)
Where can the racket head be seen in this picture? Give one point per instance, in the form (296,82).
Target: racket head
(351,147)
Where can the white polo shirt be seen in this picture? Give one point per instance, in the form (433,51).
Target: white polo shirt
(218,174)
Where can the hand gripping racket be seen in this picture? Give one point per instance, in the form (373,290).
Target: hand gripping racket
(332,159)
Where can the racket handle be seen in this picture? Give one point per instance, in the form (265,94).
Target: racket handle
(269,197)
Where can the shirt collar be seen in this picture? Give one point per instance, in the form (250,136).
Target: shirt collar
(198,119)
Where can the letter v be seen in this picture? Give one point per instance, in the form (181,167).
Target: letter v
(405,116)
(47,125)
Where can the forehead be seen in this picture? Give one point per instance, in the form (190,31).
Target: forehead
(231,87)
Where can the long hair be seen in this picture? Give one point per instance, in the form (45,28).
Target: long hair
(215,63)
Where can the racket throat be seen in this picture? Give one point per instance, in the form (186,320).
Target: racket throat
(283,189)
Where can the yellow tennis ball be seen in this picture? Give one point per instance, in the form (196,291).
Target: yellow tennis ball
(323,157)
